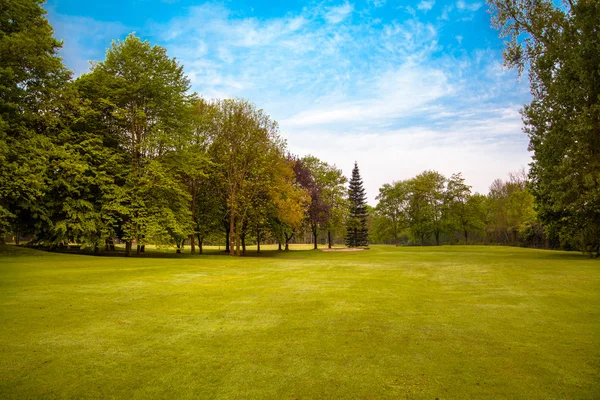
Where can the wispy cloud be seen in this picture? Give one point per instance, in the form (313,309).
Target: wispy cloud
(426,5)
(347,84)
(339,13)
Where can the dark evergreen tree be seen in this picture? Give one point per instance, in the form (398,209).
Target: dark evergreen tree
(357,231)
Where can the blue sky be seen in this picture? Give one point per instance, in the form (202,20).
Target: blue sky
(399,86)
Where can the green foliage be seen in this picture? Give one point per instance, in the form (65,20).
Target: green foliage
(392,208)
(560,46)
(31,75)
(140,96)
(426,206)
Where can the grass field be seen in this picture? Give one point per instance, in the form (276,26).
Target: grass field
(434,322)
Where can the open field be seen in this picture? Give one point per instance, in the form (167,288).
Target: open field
(433,322)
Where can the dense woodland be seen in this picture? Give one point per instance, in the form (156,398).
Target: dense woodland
(127,153)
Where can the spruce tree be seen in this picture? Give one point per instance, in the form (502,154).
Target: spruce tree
(356,225)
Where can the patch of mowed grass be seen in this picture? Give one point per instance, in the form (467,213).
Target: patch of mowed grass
(433,322)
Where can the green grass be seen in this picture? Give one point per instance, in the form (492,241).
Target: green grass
(435,322)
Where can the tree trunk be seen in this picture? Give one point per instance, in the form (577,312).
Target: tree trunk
(193,209)
(287,241)
(329,238)
(232,234)
(437,238)
(279,242)
(466,236)
(237,244)
(17,238)
(200,240)
(226,240)
(178,242)
(314,230)
(138,249)
(243,238)
(257,240)
(128,248)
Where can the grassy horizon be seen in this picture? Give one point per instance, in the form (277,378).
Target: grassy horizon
(406,322)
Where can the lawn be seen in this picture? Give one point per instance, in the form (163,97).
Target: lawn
(435,322)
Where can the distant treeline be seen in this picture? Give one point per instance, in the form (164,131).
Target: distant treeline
(431,209)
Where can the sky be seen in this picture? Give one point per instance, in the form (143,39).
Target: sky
(399,86)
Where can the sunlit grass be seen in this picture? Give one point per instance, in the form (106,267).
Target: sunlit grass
(438,322)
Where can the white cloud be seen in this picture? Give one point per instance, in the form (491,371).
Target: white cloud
(337,14)
(426,5)
(376,91)
(462,5)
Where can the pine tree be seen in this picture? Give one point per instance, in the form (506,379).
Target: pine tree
(357,232)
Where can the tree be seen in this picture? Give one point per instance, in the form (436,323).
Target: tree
(141,97)
(559,44)
(31,78)
(325,183)
(460,215)
(356,223)
(394,200)
(246,145)
(427,205)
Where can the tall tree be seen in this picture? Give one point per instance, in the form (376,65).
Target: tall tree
(560,45)
(142,96)
(459,215)
(394,200)
(326,187)
(356,224)
(31,78)
(245,145)
(427,205)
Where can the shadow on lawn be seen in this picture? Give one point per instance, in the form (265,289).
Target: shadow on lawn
(13,250)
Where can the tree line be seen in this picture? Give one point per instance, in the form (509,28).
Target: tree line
(432,209)
(126,151)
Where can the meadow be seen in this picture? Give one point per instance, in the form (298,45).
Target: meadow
(449,322)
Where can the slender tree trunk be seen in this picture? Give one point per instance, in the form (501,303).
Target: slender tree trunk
(314,231)
(237,244)
(227,235)
(232,233)
(17,238)
(243,239)
(193,209)
(178,242)
(200,240)
(138,249)
(128,248)
(466,236)
(287,241)
(329,238)
(257,239)
(437,238)
(279,242)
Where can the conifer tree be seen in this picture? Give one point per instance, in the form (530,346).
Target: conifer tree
(357,231)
